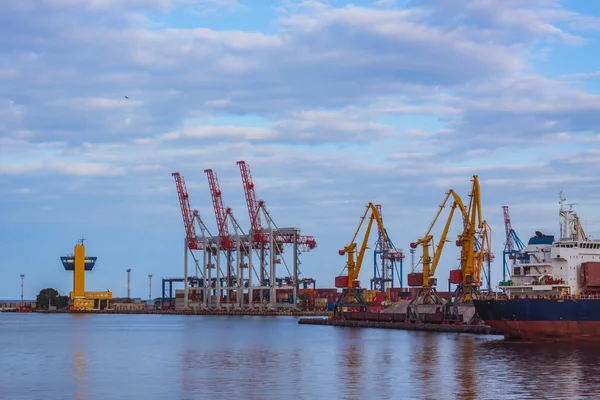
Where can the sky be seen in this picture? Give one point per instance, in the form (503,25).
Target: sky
(331,104)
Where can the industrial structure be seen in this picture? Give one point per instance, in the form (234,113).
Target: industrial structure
(352,294)
(475,244)
(235,268)
(387,261)
(513,247)
(79,263)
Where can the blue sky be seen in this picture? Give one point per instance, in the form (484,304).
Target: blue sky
(332,105)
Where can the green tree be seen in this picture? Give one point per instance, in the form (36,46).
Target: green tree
(51,296)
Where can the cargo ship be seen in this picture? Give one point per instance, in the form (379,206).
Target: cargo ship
(554,293)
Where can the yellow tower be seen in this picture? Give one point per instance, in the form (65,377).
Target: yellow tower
(79,272)
(78,263)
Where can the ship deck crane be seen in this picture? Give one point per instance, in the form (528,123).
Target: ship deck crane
(352,293)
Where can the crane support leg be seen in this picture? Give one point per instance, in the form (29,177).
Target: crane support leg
(350,298)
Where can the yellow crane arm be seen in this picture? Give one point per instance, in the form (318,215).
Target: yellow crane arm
(438,251)
(353,275)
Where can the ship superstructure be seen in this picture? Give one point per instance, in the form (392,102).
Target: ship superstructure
(567,266)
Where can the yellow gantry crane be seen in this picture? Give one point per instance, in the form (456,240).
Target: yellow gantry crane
(352,293)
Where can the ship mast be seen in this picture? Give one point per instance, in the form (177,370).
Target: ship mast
(565,215)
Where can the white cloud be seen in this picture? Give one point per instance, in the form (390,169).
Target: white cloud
(221,132)
(385,3)
(22,191)
(69,168)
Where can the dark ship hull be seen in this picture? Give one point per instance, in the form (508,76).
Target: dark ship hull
(569,319)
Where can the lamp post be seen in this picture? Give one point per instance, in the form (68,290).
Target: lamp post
(150,287)
(22,285)
(128,283)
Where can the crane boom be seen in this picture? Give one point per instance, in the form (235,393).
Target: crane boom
(252,203)
(186,212)
(220,211)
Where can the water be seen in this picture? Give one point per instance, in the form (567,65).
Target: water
(65,356)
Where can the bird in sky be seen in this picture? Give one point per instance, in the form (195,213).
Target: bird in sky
(126,97)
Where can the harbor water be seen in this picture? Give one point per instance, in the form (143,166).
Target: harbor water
(64,356)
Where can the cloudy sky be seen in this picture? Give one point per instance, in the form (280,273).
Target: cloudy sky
(331,104)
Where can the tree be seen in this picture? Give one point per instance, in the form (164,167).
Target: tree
(51,296)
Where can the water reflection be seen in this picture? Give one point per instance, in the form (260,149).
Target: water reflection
(351,373)
(424,373)
(531,370)
(466,368)
(79,367)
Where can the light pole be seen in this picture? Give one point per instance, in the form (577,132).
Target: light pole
(22,285)
(128,283)
(150,287)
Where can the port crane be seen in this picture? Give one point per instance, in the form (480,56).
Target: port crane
(351,295)
(475,244)
(471,262)
(425,280)
(513,247)
(474,241)
(384,274)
